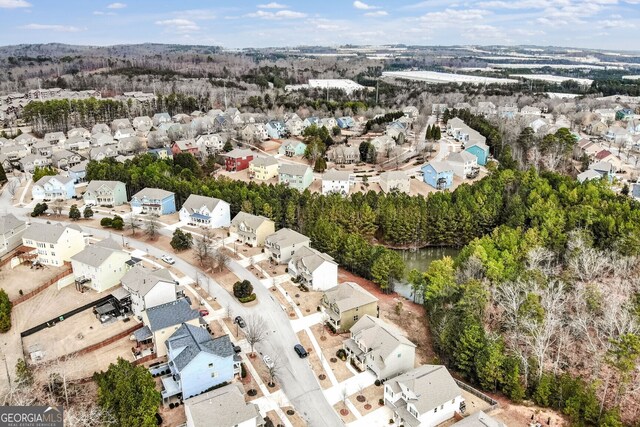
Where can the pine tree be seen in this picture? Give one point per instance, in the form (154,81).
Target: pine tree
(74,213)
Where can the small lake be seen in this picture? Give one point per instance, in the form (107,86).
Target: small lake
(420,260)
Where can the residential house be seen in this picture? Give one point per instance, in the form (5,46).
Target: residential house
(275,129)
(618,135)
(25,139)
(211,143)
(263,168)
(292,148)
(314,269)
(163,320)
(54,138)
(129,146)
(337,182)
(462,106)
(588,175)
(383,144)
(142,123)
(238,159)
(53,244)
(529,110)
(310,121)
(379,347)
(153,201)
(439,175)
(411,112)
(294,125)
(120,124)
(160,118)
(508,111)
(606,114)
(342,154)
(101,153)
(439,109)
(464,164)
(122,133)
(81,132)
(480,150)
(100,266)
(160,153)
(11,231)
(295,176)
(42,148)
(252,230)
(149,288)
(182,118)
(197,362)
(201,211)
(597,128)
(32,161)
(53,187)
(395,181)
(76,143)
(346,304)
(254,132)
(329,123)
(64,159)
(99,128)
(463,133)
(14,152)
(229,406)
(105,193)
(345,122)
(538,124)
(423,397)
(607,156)
(479,419)
(397,131)
(78,172)
(282,245)
(185,146)
(486,109)
(102,139)
(605,169)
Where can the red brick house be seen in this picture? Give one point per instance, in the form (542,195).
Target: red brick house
(185,146)
(237,160)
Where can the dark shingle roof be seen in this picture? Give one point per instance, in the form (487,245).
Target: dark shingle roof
(169,314)
(194,340)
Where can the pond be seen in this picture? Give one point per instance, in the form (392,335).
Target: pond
(420,260)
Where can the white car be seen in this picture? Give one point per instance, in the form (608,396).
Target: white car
(169,260)
(267,361)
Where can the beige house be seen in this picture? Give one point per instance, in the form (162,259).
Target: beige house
(395,181)
(252,230)
(229,406)
(11,230)
(53,244)
(346,304)
(163,320)
(263,168)
(101,266)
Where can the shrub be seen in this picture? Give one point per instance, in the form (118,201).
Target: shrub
(341,354)
(243,289)
(250,298)
(39,209)
(243,371)
(378,383)
(5,312)
(106,222)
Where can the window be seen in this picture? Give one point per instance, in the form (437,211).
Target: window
(211,365)
(355,318)
(441,406)
(435,409)
(214,374)
(399,354)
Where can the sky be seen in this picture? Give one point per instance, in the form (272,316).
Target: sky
(600,24)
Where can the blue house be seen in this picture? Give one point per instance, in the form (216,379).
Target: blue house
(345,122)
(481,151)
(79,172)
(153,201)
(292,148)
(53,187)
(197,361)
(439,175)
(275,130)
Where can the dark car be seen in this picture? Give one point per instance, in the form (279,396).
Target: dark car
(300,350)
(237,349)
(240,321)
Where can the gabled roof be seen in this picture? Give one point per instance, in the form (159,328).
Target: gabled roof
(252,221)
(237,153)
(194,202)
(394,176)
(349,295)
(9,222)
(461,157)
(95,255)
(602,167)
(170,314)
(152,193)
(310,258)
(336,175)
(293,170)
(479,419)
(97,184)
(432,386)
(264,161)
(588,175)
(191,340)
(439,167)
(286,237)
(47,233)
(141,280)
(378,336)
(228,405)
(45,179)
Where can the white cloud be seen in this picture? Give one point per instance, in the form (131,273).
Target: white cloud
(52,27)
(101,13)
(449,17)
(281,14)
(13,4)
(363,6)
(116,6)
(179,25)
(377,13)
(272,5)
(616,23)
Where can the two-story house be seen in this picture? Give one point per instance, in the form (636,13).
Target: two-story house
(337,182)
(464,164)
(201,211)
(54,138)
(11,231)
(160,118)
(185,146)
(379,347)
(53,187)
(423,397)
(395,181)
(101,153)
(439,175)
(295,176)
(294,125)
(64,159)
(102,139)
(263,168)
(82,132)
(153,201)
(149,288)
(105,193)
(292,148)
(77,143)
(53,244)
(251,229)
(314,269)
(78,172)
(480,150)
(343,154)
(163,320)
(228,403)
(275,129)
(100,266)
(346,304)
(282,245)
(237,160)
(211,143)
(100,128)
(142,123)
(345,122)
(32,161)
(197,362)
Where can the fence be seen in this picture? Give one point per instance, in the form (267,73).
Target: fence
(104,343)
(67,271)
(494,404)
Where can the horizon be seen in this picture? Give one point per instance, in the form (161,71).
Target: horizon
(586,24)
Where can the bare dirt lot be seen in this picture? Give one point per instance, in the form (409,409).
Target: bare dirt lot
(24,278)
(307,302)
(314,360)
(367,400)
(99,360)
(330,345)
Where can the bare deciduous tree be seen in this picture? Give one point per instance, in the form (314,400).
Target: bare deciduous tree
(255,331)
(57,206)
(152,227)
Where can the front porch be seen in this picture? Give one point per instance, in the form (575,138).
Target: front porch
(355,354)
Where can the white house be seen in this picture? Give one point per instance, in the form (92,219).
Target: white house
(201,211)
(282,244)
(338,182)
(11,231)
(229,406)
(53,244)
(52,187)
(395,181)
(314,269)
(380,347)
(463,163)
(211,143)
(100,266)
(149,288)
(423,397)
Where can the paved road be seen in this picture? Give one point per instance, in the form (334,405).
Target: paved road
(297,378)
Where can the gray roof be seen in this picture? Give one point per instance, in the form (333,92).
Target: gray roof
(602,167)
(228,405)
(142,334)
(63,179)
(479,419)
(252,221)
(152,193)
(382,338)
(432,386)
(80,167)
(169,314)
(95,255)
(349,295)
(310,258)
(441,166)
(9,222)
(461,157)
(286,237)
(96,184)
(394,176)
(295,170)
(336,175)
(193,340)
(62,154)
(141,279)
(264,161)
(48,233)
(239,153)
(588,175)
(194,202)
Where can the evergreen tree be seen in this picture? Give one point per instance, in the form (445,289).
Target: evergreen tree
(321,165)
(74,213)
(181,241)
(227,146)
(5,312)
(88,212)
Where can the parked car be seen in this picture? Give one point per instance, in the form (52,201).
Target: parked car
(239,321)
(301,351)
(169,260)
(267,361)
(203,312)
(237,349)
